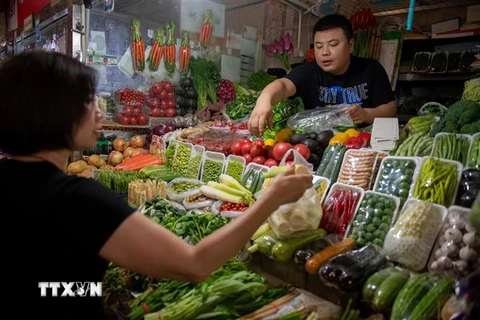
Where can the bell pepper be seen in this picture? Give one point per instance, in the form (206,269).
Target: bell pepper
(366,136)
(269,134)
(352,133)
(355,143)
(340,137)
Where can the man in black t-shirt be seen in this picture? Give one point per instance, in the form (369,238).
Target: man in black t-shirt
(335,77)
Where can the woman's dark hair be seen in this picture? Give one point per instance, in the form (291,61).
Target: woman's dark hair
(44,98)
(333,21)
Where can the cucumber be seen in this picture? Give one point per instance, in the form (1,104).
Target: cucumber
(430,305)
(387,291)
(372,283)
(410,295)
(283,249)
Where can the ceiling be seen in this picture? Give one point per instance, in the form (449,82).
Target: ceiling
(163,10)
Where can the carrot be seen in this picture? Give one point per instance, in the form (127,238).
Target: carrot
(206,28)
(138,47)
(127,162)
(141,162)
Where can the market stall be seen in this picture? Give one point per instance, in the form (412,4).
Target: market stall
(390,229)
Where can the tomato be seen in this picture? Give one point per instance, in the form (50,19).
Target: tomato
(161,113)
(259,160)
(123,119)
(303,150)
(280,149)
(168,87)
(289,163)
(127,109)
(155,112)
(171,112)
(243,141)
(155,103)
(163,95)
(142,119)
(271,163)
(257,151)
(259,142)
(171,104)
(136,111)
(170,95)
(248,158)
(157,88)
(236,148)
(246,147)
(133,120)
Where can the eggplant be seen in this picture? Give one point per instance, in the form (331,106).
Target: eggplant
(187,82)
(179,91)
(300,256)
(190,93)
(191,103)
(180,101)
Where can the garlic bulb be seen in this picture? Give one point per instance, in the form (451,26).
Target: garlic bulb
(467,254)
(453,234)
(469,239)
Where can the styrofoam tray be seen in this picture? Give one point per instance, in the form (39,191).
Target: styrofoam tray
(474,137)
(238,159)
(372,169)
(343,186)
(197,149)
(213,156)
(319,179)
(459,173)
(442,134)
(395,212)
(416,172)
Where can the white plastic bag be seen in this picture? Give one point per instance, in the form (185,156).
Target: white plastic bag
(298,159)
(190,205)
(172,195)
(305,214)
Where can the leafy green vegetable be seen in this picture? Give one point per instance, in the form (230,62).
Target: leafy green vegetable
(260,79)
(471,90)
(206,78)
(242,106)
(462,117)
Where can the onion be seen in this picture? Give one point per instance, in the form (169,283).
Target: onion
(137,141)
(138,151)
(128,152)
(171,127)
(120,144)
(115,158)
(453,234)
(469,239)
(160,130)
(467,254)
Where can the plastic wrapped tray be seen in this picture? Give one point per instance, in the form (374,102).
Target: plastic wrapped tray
(410,240)
(183,153)
(421,61)
(374,218)
(421,192)
(473,161)
(357,168)
(455,235)
(450,151)
(317,182)
(339,224)
(438,62)
(393,181)
(195,163)
(212,166)
(235,167)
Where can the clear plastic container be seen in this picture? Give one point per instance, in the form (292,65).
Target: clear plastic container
(397,176)
(380,156)
(322,185)
(339,207)
(456,249)
(411,239)
(433,183)
(182,157)
(255,167)
(212,166)
(180,188)
(452,146)
(374,218)
(235,167)
(357,168)
(195,163)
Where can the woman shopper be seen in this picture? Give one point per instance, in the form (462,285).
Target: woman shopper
(67,228)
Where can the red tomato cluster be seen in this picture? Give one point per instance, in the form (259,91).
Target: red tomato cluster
(161,100)
(254,151)
(132,116)
(228,206)
(131,97)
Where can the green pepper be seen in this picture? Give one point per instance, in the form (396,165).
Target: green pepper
(269,134)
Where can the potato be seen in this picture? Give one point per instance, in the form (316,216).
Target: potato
(96,160)
(76,167)
(87,173)
(90,167)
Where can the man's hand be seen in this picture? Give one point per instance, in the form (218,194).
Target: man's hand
(261,114)
(359,115)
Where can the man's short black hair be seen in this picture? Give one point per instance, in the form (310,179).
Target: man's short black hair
(333,21)
(44,99)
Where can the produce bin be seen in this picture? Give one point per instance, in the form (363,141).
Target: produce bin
(212,166)
(235,166)
(452,146)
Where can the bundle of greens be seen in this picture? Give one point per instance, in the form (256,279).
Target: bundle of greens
(281,112)
(259,80)
(242,106)
(206,78)
(228,293)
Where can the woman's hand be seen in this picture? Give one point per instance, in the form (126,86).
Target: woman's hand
(288,187)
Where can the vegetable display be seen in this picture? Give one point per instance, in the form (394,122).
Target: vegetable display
(396,177)
(456,250)
(357,168)
(373,219)
(451,147)
(437,182)
(411,239)
(416,145)
(349,271)
(473,160)
(339,208)
(137,47)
